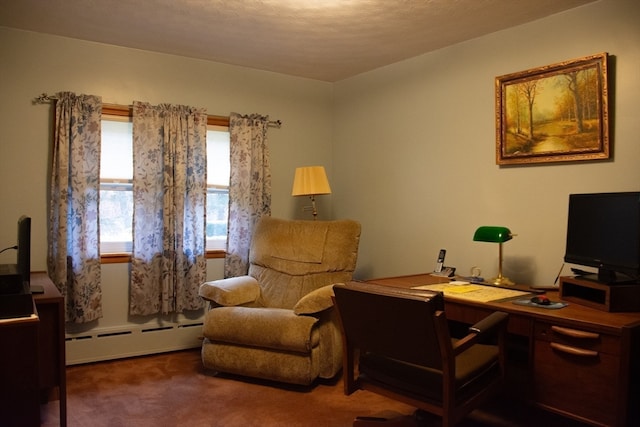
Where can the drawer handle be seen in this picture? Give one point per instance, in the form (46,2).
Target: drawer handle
(573,350)
(573,333)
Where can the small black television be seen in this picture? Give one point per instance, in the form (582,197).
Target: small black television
(603,231)
(24,249)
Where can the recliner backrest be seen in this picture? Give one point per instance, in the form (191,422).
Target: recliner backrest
(391,322)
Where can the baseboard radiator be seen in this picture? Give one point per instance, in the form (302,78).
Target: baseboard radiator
(119,334)
(101,344)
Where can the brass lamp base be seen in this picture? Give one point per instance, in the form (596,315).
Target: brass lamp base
(501,281)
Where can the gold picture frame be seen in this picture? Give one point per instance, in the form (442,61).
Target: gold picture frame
(555,113)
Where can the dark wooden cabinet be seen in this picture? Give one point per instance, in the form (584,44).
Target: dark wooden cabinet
(580,372)
(51,343)
(32,359)
(19,386)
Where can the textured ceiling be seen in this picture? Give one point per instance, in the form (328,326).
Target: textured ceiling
(325,40)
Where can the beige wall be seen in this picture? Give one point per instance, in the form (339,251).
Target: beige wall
(409,147)
(32,63)
(414,149)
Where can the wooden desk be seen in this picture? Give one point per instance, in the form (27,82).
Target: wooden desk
(581,362)
(51,342)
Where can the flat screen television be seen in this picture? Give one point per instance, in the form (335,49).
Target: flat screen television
(24,248)
(603,231)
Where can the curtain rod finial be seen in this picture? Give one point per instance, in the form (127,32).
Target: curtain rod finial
(43,99)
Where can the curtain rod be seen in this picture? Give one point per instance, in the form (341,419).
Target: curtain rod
(46,99)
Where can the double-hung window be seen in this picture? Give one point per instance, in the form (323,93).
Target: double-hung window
(218,169)
(116,185)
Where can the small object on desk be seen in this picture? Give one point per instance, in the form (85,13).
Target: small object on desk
(537,290)
(541,300)
(445,272)
(544,288)
(459,282)
(440,261)
(531,302)
(555,282)
(579,272)
(473,279)
(37,289)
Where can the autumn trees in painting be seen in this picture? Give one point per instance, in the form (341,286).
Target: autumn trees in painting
(553,113)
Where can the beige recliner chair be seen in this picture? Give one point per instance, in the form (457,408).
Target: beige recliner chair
(278,322)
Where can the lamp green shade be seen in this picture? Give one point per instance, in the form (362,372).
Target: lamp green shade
(493,234)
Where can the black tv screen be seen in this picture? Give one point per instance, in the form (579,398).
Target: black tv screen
(603,231)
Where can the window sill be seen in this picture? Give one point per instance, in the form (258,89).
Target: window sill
(125,257)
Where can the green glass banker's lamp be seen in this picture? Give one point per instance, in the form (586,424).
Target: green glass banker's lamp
(499,235)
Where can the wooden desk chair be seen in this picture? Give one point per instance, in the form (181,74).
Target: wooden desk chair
(397,344)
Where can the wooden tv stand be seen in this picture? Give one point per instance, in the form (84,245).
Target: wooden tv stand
(580,362)
(615,297)
(32,363)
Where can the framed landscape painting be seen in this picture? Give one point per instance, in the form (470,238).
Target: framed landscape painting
(555,113)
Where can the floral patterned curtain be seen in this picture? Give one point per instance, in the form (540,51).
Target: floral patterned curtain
(249,187)
(169,194)
(73,234)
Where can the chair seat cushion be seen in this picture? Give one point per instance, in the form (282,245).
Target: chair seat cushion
(274,328)
(472,366)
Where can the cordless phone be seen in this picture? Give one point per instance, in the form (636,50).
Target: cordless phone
(440,262)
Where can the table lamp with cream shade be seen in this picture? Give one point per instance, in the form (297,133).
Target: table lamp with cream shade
(311,181)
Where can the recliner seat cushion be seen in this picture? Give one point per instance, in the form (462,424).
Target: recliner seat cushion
(273,328)
(277,365)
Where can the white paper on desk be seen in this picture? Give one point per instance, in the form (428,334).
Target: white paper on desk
(459,282)
(473,292)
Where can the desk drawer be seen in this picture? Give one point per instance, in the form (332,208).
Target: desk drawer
(576,373)
(577,338)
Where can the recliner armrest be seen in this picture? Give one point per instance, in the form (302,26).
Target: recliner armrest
(232,291)
(315,301)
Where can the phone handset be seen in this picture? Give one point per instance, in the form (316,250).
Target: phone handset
(440,261)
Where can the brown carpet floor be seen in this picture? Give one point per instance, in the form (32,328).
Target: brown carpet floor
(173,389)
